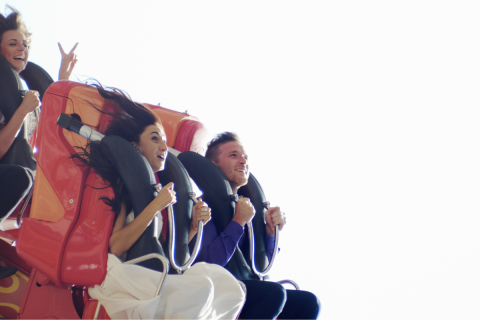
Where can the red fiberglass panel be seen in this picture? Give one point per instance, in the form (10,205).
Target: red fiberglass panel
(171,121)
(192,136)
(41,242)
(85,257)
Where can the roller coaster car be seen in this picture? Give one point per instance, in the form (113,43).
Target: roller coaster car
(59,243)
(62,239)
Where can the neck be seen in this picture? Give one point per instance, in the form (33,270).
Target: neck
(234,187)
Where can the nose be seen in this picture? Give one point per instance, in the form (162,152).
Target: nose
(243,159)
(163,145)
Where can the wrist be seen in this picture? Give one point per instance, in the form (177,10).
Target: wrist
(240,221)
(22,112)
(193,227)
(153,209)
(62,75)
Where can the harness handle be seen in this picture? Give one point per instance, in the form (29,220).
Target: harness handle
(262,274)
(196,248)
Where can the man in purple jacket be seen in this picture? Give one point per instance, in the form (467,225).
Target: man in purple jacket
(265,300)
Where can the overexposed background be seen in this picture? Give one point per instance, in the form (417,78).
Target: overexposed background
(361,120)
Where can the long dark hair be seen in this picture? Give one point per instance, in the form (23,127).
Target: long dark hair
(13,21)
(129,120)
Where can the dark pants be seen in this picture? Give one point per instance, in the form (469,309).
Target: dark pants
(270,300)
(15,183)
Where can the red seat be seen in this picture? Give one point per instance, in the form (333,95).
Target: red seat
(65,238)
(58,186)
(85,257)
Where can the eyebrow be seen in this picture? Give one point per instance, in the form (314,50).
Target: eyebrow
(160,135)
(22,41)
(236,151)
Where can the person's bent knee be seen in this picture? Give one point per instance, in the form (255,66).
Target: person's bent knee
(20,177)
(265,300)
(276,294)
(316,307)
(312,305)
(300,305)
(278,290)
(15,183)
(274,290)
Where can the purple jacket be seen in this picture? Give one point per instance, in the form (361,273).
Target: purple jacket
(218,249)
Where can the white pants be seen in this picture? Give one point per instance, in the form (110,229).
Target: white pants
(205,291)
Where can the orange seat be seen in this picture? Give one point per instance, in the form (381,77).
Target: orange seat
(65,237)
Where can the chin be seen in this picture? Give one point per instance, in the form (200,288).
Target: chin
(243,182)
(19,67)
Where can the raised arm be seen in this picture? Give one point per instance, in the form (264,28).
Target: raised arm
(7,135)
(68,62)
(124,236)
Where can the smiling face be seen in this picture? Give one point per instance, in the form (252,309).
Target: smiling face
(153,145)
(233,161)
(14,49)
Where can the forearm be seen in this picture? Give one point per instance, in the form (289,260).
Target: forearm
(191,234)
(218,249)
(124,236)
(7,134)
(63,71)
(269,246)
(123,239)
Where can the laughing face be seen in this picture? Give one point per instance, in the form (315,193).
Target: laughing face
(153,145)
(14,49)
(233,161)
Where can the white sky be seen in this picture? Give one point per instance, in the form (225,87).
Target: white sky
(360,119)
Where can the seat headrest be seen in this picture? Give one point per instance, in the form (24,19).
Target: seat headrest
(36,78)
(10,89)
(219,197)
(175,172)
(208,177)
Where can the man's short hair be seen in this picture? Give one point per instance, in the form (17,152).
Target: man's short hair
(220,139)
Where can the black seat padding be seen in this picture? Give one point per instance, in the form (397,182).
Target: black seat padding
(36,78)
(138,178)
(253,190)
(219,196)
(11,89)
(11,96)
(182,209)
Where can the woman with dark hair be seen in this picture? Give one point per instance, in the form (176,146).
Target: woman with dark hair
(18,115)
(203,292)
(15,179)
(17,165)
